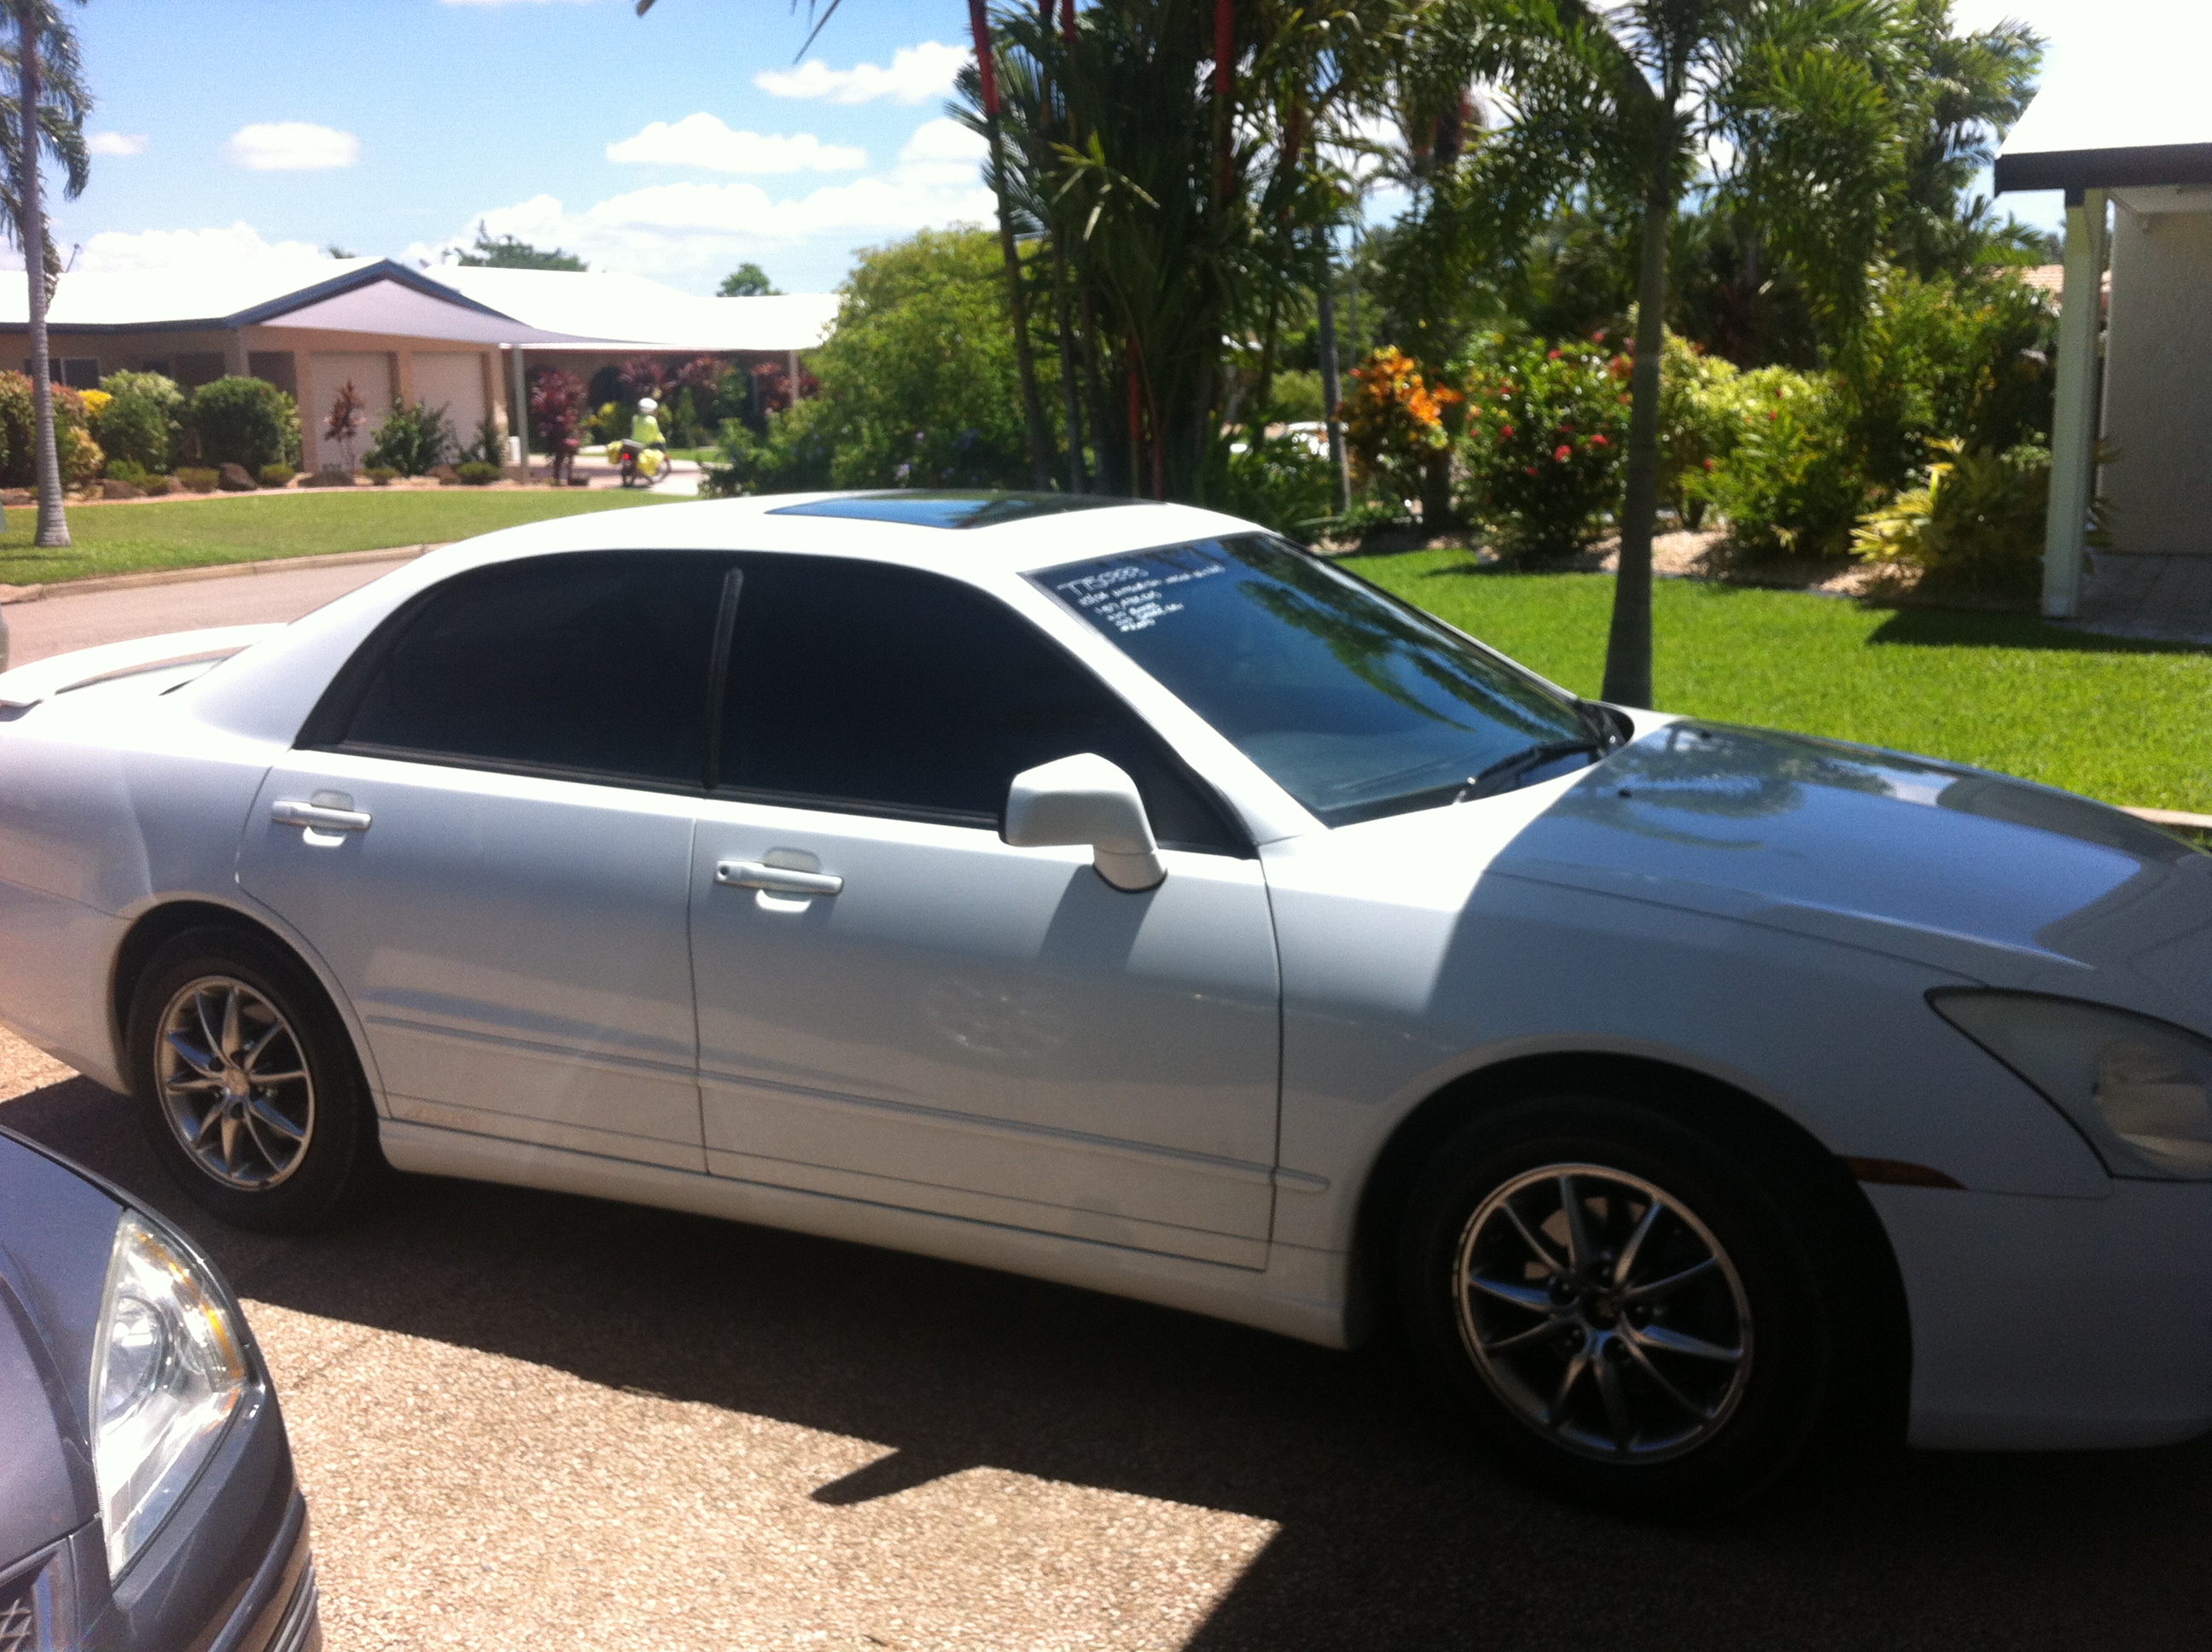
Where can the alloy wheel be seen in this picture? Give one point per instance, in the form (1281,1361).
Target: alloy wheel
(1603,1313)
(233,1083)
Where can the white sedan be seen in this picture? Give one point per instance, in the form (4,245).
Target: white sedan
(1116,894)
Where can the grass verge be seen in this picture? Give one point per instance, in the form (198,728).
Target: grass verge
(196,533)
(2111,718)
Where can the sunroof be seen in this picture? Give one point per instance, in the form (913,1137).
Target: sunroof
(924,508)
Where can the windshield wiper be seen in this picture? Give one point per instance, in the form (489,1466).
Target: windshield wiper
(1505,774)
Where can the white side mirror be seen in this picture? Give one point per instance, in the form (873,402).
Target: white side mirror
(1086,800)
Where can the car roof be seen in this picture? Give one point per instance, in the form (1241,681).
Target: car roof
(973,533)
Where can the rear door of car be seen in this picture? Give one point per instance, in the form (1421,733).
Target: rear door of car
(486,833)
(963,1027)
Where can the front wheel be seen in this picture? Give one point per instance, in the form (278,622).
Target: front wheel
(1625,1309)
(248,1086)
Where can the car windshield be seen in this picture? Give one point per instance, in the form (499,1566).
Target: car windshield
(1355,705)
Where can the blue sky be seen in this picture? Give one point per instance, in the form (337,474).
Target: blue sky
(675,145)
(391,126)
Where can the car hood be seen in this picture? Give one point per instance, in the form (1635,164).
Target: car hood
(1977,873)
(56,1232)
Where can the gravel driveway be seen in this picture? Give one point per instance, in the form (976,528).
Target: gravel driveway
(531,1421)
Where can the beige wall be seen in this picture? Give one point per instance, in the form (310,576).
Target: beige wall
(2158,382)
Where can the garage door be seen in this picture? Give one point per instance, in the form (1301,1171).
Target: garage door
(369,372)
(452,379)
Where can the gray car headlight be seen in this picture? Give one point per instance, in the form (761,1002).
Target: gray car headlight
(168,1371)
(2140,1089)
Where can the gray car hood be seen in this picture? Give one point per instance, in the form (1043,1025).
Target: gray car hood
(1979,874)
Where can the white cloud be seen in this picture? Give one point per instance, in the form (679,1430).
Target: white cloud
(117,143)
(917,73)
(943,152)
(291,146)
(701,140)
(691,232)
(112,251)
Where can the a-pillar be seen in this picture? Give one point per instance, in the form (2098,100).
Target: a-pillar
(2074,411)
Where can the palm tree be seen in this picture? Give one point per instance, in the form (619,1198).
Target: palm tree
(46,113)
(1633,101)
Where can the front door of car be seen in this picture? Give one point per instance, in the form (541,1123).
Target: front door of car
(963,1027)
(487,834)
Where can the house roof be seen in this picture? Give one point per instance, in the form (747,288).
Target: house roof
(598,309)
(2133,114)
(538,309)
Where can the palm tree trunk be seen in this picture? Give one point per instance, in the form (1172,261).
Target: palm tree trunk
(1017,306)
(1332,387)
(53,525)
(1628,646)
(1070,381)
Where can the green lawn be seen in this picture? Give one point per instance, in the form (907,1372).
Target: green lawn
(2124,721)
(126,538)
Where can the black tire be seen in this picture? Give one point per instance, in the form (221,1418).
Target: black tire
(236,1091)
(1702,1433)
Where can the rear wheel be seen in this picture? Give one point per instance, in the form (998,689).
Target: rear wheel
(248,1087)
(1626,1309)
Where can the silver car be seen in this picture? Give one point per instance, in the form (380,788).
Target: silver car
(1117,894)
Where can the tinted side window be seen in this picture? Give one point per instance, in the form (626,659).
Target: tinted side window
(897,692)
(597,663)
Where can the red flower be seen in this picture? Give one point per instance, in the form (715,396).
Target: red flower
(1709,464)
(1529,469)
(1771,416)
(1553,356)
(1599,440)
(1504,433)
(1562,453)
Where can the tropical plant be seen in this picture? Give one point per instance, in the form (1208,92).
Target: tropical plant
(45,116)
(143,421)
(244,422)
(1974,526)
(1626,103)
(78,458)
(341,425)
(413,439)
(1541,451)
(795,456)
(1280,482)
(1698,425)
(1396,426)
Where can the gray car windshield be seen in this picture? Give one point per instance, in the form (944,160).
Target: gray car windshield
(1355,705)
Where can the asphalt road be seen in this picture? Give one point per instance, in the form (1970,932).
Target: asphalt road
(527,1420)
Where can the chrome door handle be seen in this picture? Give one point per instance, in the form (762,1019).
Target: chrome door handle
(316,818)
(776,880)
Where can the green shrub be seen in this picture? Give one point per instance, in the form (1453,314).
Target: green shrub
(1698,425)
(490,445)
(476,473)
(272,476)
(248,422)
(155,486)
(80,455)
(380,475)
(197,478)
(1279,482)
(1789,483)
(794,457)
(413,440)
(1540,450)
(609,423)
(143,424)
(121,470)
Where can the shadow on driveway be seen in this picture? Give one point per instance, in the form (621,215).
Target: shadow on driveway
(1392,1534)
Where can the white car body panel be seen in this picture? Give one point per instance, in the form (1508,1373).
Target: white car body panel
(1781,943)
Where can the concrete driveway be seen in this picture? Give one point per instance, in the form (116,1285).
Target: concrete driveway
(532,1421)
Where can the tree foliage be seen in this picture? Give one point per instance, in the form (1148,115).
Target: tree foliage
(748,280)
(491,251)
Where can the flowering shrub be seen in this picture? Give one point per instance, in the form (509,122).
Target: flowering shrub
(1541,453)
(1790,480)
(80,455)
(1397,425)
(1698,425)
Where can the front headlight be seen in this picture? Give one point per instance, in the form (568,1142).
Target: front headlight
(168,1371)
(2140,1089)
